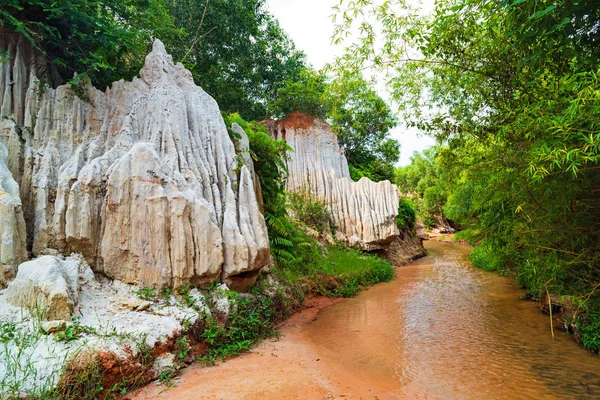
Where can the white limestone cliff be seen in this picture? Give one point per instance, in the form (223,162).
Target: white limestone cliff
(142,179)
(12,225)
(363,212)
(47,285)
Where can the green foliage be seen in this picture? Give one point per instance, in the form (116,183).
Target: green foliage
(149,294)
(363,120)
(339,271)
(166,293)
(288,243)
(355,269)
(309,210)
(471,236)
(183,347)
(511,90)
(68,335)
(487,257)
(99,38)
(236,51)
(306,94)
(423,180)
(407,214)
(588,326)
(252,318)
(8,331)
(166,376)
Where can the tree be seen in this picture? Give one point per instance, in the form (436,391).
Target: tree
(99,38)
(236,51)
(307,94)
(363,120)
(511,88)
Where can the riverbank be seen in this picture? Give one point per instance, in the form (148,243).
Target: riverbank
(284,367)
(442,330)
(122,336)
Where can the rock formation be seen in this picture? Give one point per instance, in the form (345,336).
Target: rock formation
(47,285)
(141,179)
(12,225)
(363,212)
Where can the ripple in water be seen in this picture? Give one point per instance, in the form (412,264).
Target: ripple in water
(446,330)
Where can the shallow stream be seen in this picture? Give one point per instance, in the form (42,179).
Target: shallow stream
(447,330)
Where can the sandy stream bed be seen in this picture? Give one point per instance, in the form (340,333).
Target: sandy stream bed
(287,367)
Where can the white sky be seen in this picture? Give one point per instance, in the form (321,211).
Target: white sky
(308,22)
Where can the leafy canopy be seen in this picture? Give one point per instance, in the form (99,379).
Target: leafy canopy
(101,38)
(236,51)
(511,89)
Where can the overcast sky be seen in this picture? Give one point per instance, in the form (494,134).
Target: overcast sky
(309,24)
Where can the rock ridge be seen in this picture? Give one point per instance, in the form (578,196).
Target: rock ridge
(363,213)
(141,179)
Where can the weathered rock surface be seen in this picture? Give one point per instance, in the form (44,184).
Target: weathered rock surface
(363,212)
(48,285)
(404,249)
(442,226)
(243,148)
(13,236)
(141,179)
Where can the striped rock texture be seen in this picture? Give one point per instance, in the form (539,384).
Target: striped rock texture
(12,224)
(140,179)
(363,212)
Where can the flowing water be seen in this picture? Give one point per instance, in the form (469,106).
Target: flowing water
(446,330)
(442,330)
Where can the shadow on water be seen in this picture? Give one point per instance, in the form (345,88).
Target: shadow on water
(447,330)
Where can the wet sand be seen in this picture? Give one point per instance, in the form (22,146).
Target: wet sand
(287,367)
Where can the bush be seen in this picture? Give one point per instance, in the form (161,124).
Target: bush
(407,215)
(487,257)
(252,318)
(309,209)
(471,236)
(588,326)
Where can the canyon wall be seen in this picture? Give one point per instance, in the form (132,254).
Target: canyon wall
(363,213)
(141,179)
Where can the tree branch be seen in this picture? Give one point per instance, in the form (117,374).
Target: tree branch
(197,37)
(407,60)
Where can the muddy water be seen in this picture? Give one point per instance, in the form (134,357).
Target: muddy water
(442,330)
(446,330)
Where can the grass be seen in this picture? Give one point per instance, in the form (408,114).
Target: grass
(252,317)
(340,271)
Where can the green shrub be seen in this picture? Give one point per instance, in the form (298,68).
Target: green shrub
(487,257)
(407,214)
(471,236)
(252,318)
(588,326)
(309,209)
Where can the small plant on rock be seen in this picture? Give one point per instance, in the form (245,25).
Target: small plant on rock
(148,294)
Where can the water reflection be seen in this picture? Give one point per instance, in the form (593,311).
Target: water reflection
(446,330)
